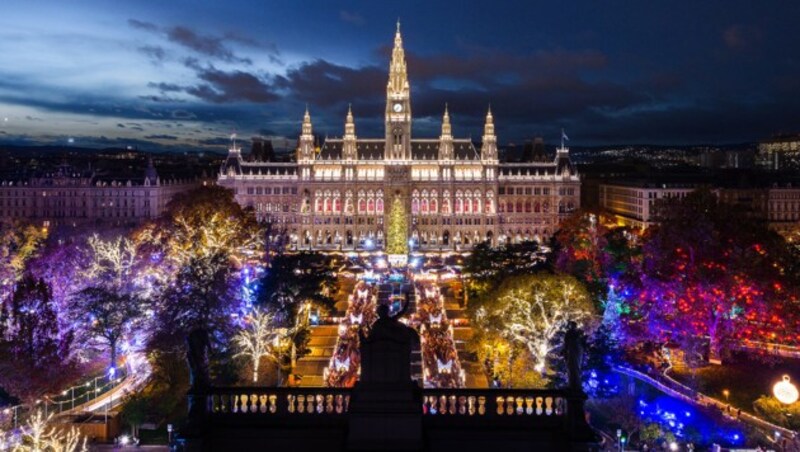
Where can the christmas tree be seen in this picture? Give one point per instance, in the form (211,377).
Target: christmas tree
(397,233)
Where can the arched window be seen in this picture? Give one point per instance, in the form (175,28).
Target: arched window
(318,205)
(424,206)
(536,207)
(519,206)
(337,205)
(414,206)
(527,207)
(476,205)
(371,205)
(362,205)
(545,207)
(433,206)
(379,205)
(327,205)
(446,206)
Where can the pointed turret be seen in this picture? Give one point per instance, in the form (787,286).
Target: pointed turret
(446,139)
(349,139)
(349,125)
(489,146)
(398,80)
(305,152)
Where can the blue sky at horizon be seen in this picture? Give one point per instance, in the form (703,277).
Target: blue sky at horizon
(186,73)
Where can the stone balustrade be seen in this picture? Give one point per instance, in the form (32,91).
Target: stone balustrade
(486,403)
(278,401)
(493,403)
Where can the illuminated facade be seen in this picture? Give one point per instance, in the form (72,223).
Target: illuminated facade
(337,195)
(72,198)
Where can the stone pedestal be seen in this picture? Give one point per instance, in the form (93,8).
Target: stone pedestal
(386,405)
(385,418)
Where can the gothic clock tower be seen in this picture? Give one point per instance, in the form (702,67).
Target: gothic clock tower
(398,105)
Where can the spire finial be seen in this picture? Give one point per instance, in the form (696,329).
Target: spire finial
(446,113)
(398,24)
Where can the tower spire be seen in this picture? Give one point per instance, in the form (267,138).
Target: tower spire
(446,128)
(489,145)
(349,125)
(398,104)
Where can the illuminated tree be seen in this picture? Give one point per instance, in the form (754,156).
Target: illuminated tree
(711,274)
(112,261)
(108,314)
(291,285)
(261,337)
(18,244)
(487,265)
(581,251)
(397,228)
(35,353)
(203,296)
(37,436)
(531,310)
(203,222)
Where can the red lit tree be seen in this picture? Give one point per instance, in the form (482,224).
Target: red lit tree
(712,274)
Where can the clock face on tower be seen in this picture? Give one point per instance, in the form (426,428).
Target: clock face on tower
(398,107)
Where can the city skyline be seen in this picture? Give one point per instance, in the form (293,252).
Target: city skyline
(160,76)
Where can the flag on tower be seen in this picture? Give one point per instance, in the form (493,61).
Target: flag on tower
(564,135)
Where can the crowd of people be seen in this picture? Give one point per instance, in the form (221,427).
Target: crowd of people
(441,367)
(343,368)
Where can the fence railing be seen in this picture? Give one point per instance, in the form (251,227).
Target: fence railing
(69,399)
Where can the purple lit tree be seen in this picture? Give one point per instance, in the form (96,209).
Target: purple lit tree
(36,353)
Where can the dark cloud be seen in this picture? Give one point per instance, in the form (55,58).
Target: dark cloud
(161,137)
(156,54)
(214,142)
(206,45)
(120,125)
(182,114)
(142,25)
(234,86)
(324,84)
(33,118)
(165,87)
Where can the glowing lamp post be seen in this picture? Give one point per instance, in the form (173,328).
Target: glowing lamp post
(785,391)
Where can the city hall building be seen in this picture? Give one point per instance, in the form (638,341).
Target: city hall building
(450,192)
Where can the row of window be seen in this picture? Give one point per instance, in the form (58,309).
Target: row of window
(535,191)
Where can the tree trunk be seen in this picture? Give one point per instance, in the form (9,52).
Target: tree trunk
(113,344)
(255,371)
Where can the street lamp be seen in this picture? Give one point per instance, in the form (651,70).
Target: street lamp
(785,391)
(727,394)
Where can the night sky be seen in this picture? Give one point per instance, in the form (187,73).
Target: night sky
(181,73)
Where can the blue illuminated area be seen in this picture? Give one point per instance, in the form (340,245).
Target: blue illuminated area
(689,424)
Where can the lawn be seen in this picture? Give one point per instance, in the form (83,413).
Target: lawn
(745,377)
